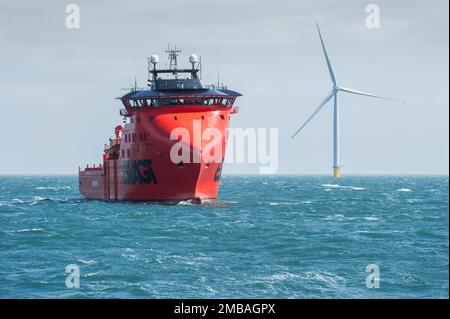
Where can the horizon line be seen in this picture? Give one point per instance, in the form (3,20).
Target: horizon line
(256,174)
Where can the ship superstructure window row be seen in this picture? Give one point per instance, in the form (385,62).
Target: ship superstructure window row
(161,102)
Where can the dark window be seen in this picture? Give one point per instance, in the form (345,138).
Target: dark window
(128,152)
(134,137)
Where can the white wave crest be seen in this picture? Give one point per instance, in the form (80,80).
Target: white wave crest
(355,188)
(29,230)
(88,262)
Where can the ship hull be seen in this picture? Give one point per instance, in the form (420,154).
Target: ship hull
(145,170)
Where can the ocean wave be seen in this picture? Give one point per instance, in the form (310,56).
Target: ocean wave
(188,202)
(54,188)
(329,279)
(38,199)
(404,190)
(316,249)
(35,200)
(12,202)
(355,188)
(335,217)
(279,277)
(331,185)
(29,230)
(88,262)
(91,274)
(283,203)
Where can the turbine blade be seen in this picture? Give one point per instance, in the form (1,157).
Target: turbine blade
(348,90)
(330,68)
(329,96)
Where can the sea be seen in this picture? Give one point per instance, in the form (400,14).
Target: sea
(264,237)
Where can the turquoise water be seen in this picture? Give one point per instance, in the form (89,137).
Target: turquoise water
(282,237)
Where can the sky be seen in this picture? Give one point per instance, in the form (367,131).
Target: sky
(58,85)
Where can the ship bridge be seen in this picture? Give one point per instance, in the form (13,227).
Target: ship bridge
(177,90)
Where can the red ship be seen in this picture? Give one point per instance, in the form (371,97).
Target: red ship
(137,162)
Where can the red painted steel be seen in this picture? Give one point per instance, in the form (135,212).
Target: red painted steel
(138,167)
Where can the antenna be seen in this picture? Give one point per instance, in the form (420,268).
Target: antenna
(173,54)
(218,72)
(134,60)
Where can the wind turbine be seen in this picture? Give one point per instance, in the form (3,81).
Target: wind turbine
(334,94)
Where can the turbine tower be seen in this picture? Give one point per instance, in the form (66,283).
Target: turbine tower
(334,95)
